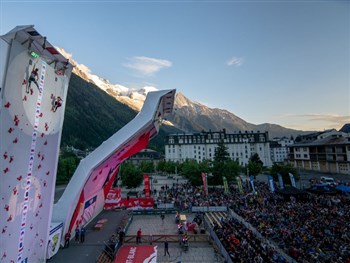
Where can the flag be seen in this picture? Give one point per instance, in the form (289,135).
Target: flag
(280,180)
(272,186)
(225,184)
(147,185)
(252,183)
(239,184)
(205,185)
(292,180)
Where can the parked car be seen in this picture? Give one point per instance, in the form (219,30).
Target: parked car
(329,181)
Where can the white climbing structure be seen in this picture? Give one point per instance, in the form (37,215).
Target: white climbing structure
(30,135)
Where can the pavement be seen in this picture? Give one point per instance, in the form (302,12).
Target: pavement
(95,240)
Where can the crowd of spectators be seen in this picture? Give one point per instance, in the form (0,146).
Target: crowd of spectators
(313,229)
(243,246)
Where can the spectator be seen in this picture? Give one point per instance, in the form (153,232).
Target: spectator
(82,234)
(67,239)
(166,248)
(138,236)
(77,234)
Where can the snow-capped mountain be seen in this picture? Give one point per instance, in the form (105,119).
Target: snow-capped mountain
(132,98)
(188,115)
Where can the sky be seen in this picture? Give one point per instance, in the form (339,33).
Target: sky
(280,62)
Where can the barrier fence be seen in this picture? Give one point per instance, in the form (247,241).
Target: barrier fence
(209,208)
(260,237)
(214,238)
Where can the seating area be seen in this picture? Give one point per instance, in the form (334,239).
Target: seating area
(215,218)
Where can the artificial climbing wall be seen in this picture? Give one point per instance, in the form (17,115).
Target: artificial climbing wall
(30,135)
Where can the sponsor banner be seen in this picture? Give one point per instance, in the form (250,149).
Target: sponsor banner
(272,186)
(205,185)
(147,185)
(251,178)
(225,184)
(136,254)
(54,239)
(89,209)
(292,180)
(239,184)
(280,181)
(114,195)
(132,203)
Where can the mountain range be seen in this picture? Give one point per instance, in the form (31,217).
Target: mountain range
(188,115)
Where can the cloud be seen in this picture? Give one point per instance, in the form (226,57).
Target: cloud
(235,62)
(316,121)
(334,118)
(145,66)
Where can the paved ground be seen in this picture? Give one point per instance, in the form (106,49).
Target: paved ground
(153,225)
(94,241)
(150,225)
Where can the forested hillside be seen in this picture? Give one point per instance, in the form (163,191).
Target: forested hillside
(92,116)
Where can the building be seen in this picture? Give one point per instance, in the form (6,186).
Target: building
(279,149)
(201,146)
(146,155)
(327,151)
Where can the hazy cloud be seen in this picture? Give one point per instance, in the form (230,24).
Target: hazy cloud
(312,120)
(146,66)
(235,62)
(335,118)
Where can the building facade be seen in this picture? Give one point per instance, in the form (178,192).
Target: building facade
(201,146)
(280,150)
(327,151)
(145,155)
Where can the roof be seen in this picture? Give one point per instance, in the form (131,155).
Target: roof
(28,36)
(331,140)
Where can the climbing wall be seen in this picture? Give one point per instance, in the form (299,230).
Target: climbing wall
(30,135)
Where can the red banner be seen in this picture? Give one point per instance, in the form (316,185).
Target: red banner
(136,254)
(114,195)
(205,185)
(147,185)
(132,203)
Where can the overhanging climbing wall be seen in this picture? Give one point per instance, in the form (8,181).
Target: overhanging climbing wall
(30,135)
(85,195)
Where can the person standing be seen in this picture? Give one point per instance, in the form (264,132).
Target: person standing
(121,237)
(82,234)
(67,239)
(166,248)
(77,234)
(138,236)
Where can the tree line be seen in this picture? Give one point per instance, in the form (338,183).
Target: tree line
(221,166)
